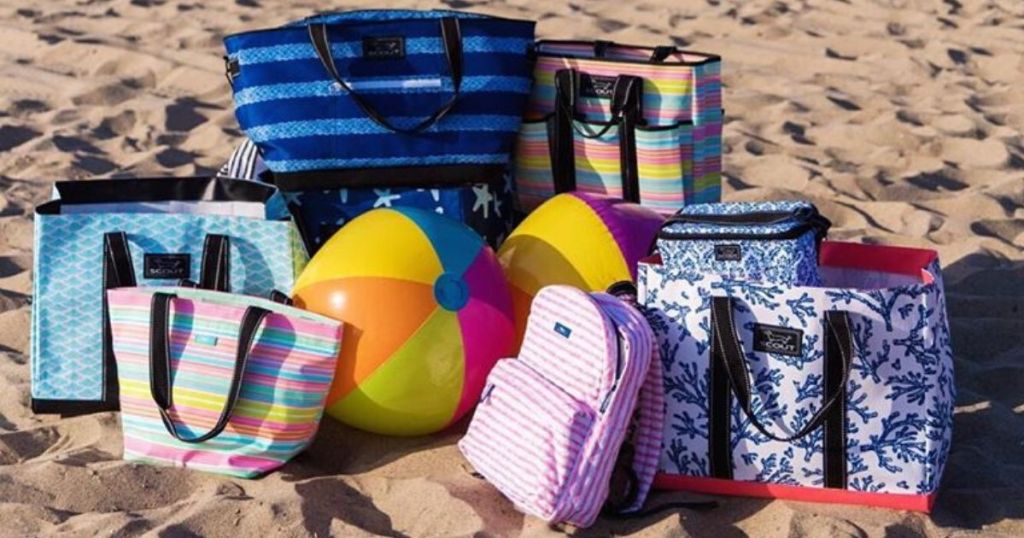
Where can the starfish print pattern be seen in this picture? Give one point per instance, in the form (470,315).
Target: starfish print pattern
(385,198)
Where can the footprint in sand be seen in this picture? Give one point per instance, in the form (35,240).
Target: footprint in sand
(968,152)
(12,136)
(24,445)
(1010,231)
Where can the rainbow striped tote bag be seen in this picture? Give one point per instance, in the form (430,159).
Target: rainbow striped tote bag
(643,124)
(223,383)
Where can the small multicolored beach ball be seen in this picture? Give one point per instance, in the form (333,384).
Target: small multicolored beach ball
(427,314)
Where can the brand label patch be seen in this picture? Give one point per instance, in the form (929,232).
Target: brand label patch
(728,253)
(562,330)
(166,266)
(205,339)
(384,48)
(597,86)
(781,340)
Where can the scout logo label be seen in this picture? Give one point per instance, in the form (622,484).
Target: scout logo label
(562,330)
(388,48)
(205,339)
(166,266)
(772,339)
(597,86)
(728,253)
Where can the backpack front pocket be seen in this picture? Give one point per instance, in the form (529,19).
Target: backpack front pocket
(527,436)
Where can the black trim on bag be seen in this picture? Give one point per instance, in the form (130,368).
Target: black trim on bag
(118,271)
(215,267)
(460,175)
(156,189)
(719,414)
(805,220)
(834,438)
(303,23)
(655,52)
(70,408)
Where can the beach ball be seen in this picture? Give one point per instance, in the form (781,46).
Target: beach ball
(589,241)
(426,314)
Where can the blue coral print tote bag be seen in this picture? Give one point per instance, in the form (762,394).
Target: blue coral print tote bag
(836,393)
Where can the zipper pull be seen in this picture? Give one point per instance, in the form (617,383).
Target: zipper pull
(487,393)
(608,397)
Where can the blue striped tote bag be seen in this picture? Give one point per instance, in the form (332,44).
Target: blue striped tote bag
(378,98)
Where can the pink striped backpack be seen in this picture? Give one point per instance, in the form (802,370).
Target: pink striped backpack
(584,394)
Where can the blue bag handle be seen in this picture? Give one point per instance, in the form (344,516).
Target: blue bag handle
(451,35)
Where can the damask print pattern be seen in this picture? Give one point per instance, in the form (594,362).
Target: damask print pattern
(791,261)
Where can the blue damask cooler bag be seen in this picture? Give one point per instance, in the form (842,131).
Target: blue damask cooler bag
(406,101)
(770,241)
(103,234)
(841,392)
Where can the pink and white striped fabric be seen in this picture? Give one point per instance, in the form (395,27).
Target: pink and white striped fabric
(550,424)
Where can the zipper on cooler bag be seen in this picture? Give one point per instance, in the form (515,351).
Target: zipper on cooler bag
(807,219)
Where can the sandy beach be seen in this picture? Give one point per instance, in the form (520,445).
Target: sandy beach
(901,119)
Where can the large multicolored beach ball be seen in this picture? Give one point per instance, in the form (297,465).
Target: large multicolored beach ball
(584,240)
(427,314)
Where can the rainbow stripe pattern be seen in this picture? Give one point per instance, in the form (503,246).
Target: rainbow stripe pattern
(679,150)
(284,385)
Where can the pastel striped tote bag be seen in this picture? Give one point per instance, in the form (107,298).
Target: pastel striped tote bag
(223,383)
(573,425)
(643,124)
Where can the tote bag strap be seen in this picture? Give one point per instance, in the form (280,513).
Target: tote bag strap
(626,113)
(728,358)
(215,268)
(160,364)
(451,36)
(727,348)
(118,272)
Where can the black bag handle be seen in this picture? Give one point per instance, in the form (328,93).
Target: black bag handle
(215,268)
(160,363)
(118,272)
(626,113)
(660,54)
(726,347)
(451,35)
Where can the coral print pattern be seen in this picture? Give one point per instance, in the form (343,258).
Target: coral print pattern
(899,396)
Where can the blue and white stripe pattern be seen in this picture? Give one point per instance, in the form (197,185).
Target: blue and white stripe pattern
(303,120)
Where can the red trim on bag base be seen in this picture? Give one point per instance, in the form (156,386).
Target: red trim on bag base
(718,486)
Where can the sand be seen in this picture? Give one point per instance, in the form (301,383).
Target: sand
(901,119)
